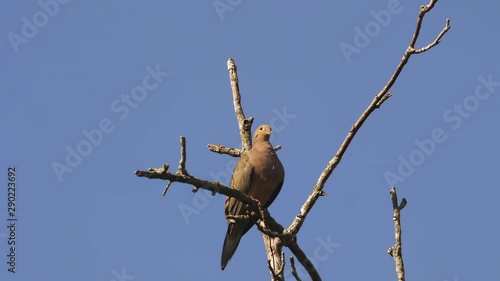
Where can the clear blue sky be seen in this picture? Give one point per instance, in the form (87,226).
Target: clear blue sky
(133,76)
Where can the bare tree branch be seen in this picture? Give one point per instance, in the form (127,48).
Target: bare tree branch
(217,148)
(245,124)
(182,162)
(275,257)
(166,188)
(294,247)
(436,41)
(214,186)
(304,260)
(396,250)
(381,97)
(234,152)
(294,270)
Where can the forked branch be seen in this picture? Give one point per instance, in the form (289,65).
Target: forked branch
(396,251)
(379,98)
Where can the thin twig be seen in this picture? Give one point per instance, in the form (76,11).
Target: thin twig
(234,152)
(436,41)
(381,97)
(396,250)
(217,148)
(166,188)
(245,124)
(294,270)
(182,162)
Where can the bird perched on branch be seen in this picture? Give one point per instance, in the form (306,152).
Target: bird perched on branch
(259,174)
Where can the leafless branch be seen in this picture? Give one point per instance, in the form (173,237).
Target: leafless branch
(245,124)
(234,152)
(292,244)
(214,186)
(436,41)
(278,263)
(294,270)
(304,260)
(182,162)
(166,188)
(396,250)
(217,148)
(381,97)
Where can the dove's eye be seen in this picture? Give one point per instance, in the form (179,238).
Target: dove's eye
(261,128)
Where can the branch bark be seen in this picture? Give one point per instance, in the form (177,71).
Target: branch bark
(396,250)
(379,98)
(245,124)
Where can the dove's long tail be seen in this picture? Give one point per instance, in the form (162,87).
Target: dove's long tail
(231,242)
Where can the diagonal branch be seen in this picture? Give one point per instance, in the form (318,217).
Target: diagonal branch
(396,250)
(436,41)
(382,96)
(304,260)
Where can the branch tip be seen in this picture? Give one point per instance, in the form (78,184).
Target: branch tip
(182,163)
(217,148)
(166,188)
(294,270)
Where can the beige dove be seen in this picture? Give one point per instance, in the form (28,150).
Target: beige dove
(259,174)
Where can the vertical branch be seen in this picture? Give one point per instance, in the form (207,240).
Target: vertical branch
(275,258)
(244,124)
(294,270)
(396,250)
(182,161)
(292,245)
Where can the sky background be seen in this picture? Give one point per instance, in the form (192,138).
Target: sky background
(72,73)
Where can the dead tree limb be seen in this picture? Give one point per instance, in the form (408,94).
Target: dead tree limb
(396,251)
(245,124)
(379,98)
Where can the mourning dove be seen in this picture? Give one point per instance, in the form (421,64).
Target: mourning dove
(259,174)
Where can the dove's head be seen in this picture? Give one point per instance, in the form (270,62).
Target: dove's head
(263,132)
